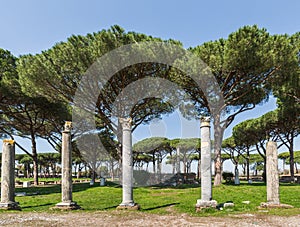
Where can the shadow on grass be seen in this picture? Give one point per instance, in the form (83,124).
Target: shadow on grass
(162,206)
(109,208)
(289,184)
(51,189)
(181,186)
(245,183)
(41,205)
(256,183)
(41,190)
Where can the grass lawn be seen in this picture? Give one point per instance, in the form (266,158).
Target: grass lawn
(159,200)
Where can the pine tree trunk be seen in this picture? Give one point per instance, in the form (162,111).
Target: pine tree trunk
(265,170)
(112,170)
(153,161)
(159,169)
(248,165)
(35,161)
(292,171)
(218,136)
(177,160)
(184,163)
(173,165)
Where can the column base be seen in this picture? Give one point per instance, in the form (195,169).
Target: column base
(267,205)
(201,204)
(67,205)
(10,206)
(128,206)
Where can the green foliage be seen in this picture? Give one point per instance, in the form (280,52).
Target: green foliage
(7,73)
(227,176)
(56,73)
(279,125)
(286,85)
(241,64)
(286,156)
(150,145)
(187,144)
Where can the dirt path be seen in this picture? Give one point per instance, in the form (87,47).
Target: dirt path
(122,218)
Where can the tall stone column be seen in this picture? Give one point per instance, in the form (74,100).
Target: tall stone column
(127,166)
(272,173)
(8,177)
(206,175)
(66,160)
(272,178)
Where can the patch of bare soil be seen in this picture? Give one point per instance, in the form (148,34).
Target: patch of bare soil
(131,218)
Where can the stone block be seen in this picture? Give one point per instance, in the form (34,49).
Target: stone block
(68,205)
(201,204)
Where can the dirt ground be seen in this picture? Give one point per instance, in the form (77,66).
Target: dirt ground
(131,218)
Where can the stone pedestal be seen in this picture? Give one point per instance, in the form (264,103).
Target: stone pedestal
(67,205)
(206,175)
(127,167)
(8,177)
(201,204)
(66,159)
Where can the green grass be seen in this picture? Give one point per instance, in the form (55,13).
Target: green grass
(161,200)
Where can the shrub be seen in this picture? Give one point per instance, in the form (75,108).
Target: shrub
(227,176)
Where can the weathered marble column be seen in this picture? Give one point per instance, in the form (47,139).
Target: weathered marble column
(8,176)
(127,166)
(272,178)
(272,173)
(206,175)
(66,180)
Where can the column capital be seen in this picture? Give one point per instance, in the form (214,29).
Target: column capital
(11,142)
(126,122)
(68,126)
(205,122)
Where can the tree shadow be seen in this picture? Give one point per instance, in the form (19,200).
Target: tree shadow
(256,183)
(41,205)
(289,184)
(158,207)
(109,208)
(180,186)
(52,189)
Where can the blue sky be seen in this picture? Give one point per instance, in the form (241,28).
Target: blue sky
(32,26)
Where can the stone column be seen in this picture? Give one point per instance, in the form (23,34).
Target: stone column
(272,179)
(206,175)
(8,177)
(272,173)
(127,166)
(66,160)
